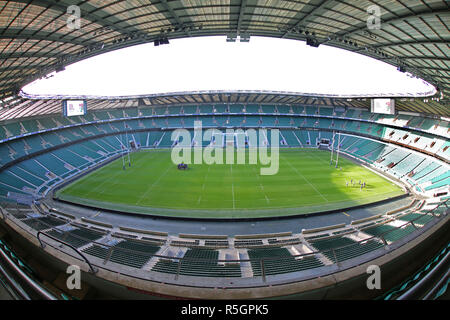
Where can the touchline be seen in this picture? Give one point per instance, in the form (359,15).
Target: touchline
(232,142)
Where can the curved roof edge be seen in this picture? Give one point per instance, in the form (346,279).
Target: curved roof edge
(209,92)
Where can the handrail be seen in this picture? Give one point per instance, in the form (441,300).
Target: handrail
(436,291)
(437,206)
(411,292)
(333,251)
(3,215)
(16,288)
(44,293)
(93,270)
(381,236)
(178,269)
(396,292)
(263,270)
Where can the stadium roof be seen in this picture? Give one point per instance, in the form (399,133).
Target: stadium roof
(35,38)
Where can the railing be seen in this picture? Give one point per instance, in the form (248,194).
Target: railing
(262,262)
(93,270)
(418,285)
(14,289)
(3,214)
(29,281)
(437,206)
(414,291)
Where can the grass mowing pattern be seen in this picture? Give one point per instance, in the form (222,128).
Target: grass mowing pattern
(305,183)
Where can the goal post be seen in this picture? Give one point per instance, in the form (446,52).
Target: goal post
(237,139)
(332,148)
(229,139)
(338,148)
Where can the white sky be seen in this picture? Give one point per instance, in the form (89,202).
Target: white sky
(211,63)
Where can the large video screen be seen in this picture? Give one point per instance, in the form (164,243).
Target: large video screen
(385,106)
(74,108)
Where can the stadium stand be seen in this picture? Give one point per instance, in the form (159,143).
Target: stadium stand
(290,253)
(81,153)
(40,149)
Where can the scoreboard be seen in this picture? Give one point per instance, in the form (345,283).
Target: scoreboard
(381,105)
(74,108)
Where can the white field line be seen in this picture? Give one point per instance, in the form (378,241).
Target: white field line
(154,183)
(109,179)
(261,186)
(237,201)
(203,185)
(267,199)
(303,177)
(232,192)
(232,186)
(314,155)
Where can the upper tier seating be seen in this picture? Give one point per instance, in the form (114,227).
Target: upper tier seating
(35,175)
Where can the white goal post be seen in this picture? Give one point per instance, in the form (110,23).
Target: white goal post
(235,139)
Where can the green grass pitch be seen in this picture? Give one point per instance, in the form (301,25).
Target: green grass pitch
(305,183)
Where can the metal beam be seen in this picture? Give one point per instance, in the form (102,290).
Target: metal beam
(432,68)
(408,42)
(416,58)
(19,67)
(174,15)
(17,55)
(307,16)
(363,26)
(62,7)
(241,15)
(14,77)
(44,36)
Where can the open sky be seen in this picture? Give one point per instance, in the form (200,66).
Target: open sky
(211,63)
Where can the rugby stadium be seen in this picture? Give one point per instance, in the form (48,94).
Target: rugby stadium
(273,195)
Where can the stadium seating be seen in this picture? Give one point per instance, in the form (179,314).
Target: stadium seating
(198,262)
(342,248)
(417,218)
(36,172)
(247,258)
(279,260)
(43,223)
(142,252)
(129,253)
(388,232)
(75,237)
